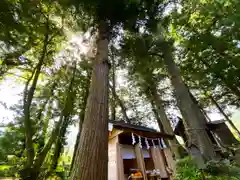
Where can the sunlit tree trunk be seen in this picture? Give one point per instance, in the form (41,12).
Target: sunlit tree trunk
(193,123)
(113,103)
(59,129)
(91,160)
(203,113)
(26,172)
(155,112)
(81,119)
(122,106)
(165,122)
(27,104)
(58,148)
(198,105)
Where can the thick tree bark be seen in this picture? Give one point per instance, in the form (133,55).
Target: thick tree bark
(199,106)
(203,115)
(165,122)
(195,128)
(81,119)
(75,149)
(224,114)
(200,112)
(122,106)
(155,112)
(91,161)
(113,105)
(219,143)
(161,111)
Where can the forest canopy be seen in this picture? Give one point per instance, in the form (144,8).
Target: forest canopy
(78,64)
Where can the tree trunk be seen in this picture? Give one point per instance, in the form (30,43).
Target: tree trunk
(40,114)
(44,104)
(42,155)
(113,105)
(60,125)
(28,96)
(28,128)
(224,114)
(47,119)
(122,106)
(81,119)
(198,109)
(203,115)
(91,161)
(199,106)
(161,111)
(155,112)
(195,128)
(58,145)
(167,128)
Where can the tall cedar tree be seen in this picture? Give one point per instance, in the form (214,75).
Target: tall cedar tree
(146,71)
(92,156)
(194,121)
(148,47)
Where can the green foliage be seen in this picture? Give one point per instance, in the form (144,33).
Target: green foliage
(208,47)
(223,169)
(6,171)
(187,170)
(23,29)
(206,36)
(11,142)
(116,14)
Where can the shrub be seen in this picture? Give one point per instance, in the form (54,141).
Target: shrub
(187,170)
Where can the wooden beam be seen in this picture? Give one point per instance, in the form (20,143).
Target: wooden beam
(159,162)
(114,133)
(120,163)
(149,134)
(170,161)
(112,159)
(140,161)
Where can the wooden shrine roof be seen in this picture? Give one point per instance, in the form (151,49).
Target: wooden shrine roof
(139,129)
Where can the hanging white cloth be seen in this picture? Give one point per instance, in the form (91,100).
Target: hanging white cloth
(147,144)
(139,141)
(133,139)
